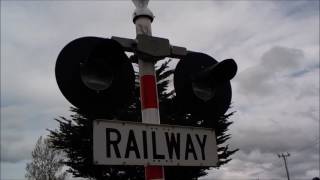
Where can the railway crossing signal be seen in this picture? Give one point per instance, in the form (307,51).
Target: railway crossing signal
(95,74)
(202,84)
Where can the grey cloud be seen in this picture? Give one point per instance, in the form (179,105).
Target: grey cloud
(279,124)
(10,170)
(17,150)
(32,35)
(276,113)
(260,79)
(274,140)
(299,9)
(21,125)
(281,58)
(260,165)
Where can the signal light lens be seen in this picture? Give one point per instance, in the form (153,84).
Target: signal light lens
(202,84)
(94,74)
(205,82)
(203,90)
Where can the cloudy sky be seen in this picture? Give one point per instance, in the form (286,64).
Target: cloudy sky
(275,93)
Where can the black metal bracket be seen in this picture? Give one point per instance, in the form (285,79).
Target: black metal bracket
(151,48)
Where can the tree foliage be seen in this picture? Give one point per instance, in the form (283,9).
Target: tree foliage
(74,135)
(46,162)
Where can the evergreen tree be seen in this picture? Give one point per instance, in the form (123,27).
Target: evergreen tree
(74,135)
(46,163)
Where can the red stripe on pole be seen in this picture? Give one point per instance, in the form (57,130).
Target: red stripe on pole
(154,172)
(148,92)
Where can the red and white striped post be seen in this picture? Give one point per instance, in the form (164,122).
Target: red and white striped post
(142,19)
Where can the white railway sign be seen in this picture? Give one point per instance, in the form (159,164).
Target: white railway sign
(129,143)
